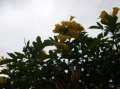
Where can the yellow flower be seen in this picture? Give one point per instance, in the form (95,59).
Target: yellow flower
(66,47)
(102,15)
(74,25)
(73,33)
(71,18)
(56,31)
(57,28)
(2,79)
(80,28)
(115,11)
(65,23)
(63,37)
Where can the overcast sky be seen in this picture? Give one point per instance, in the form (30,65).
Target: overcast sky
(28,19)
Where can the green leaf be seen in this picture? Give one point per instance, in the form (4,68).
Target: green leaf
(12,55)
(100,26)
(48,43)
(56,40)
(93,44)
(24,49)
(104,22)
(38,39)
(94,27)
(51,39)
(20,55)
(35,45)
(5,61)
(100,35)
(106,33)
(28,43)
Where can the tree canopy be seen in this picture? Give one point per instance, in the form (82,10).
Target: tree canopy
(76,61)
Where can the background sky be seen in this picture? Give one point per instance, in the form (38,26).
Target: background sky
(27,19)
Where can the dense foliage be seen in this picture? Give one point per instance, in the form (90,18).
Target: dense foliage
(76,61)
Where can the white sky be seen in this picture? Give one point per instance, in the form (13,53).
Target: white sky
(28,19)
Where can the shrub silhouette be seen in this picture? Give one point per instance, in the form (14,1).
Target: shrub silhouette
(77,61)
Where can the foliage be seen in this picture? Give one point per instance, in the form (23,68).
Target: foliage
(77,62)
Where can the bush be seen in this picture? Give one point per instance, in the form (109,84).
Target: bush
(76,61)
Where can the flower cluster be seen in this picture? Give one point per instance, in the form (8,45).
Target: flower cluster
(67,30)
(104,13)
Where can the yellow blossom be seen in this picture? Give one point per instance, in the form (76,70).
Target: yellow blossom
(102,15)
(66,47)
(2,79)
(73,33)
(57,28)
(80,28)
(74,25)
(62,38)
(65,23)
(115,11)
(71,18)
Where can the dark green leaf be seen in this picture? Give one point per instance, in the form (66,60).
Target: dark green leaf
(100,36)
(28,43)
(100,26)
(38,39)
(94,27)
(48,43)
(12,55)
(20,55)
(105,33)
(5,61)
